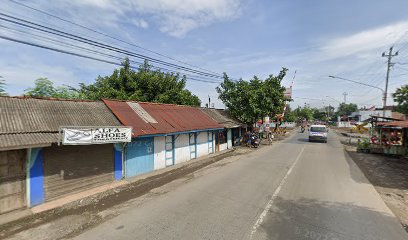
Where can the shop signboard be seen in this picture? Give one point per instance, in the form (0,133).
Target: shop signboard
(95,135)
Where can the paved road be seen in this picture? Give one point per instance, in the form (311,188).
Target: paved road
(292,190)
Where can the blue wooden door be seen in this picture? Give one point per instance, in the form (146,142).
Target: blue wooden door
(139,157)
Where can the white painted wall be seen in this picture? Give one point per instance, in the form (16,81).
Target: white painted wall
(159,153)
(182,150)
(229,138)
(344,124)
(223,147)
(202,144)
(285,124)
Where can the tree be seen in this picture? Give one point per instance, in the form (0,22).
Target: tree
(401,97)
(290,115)
(45,88)
(2,87)
(250,101)
(318,114)
(144,84)
(346,109)
(305,113)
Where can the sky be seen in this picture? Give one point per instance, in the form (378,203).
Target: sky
(240,37)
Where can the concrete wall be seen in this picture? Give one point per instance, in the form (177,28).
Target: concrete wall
(159,153)
(223,147)
(344,124)
(285,124)
(182,149)
(229,138)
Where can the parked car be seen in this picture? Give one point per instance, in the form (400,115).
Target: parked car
(318,133)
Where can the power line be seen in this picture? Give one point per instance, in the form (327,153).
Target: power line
(79,55)
(53,31)
(90,50)
(107,35)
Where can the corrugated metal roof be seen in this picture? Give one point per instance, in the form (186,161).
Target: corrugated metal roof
(399,124)
(25,115)
(222,117)
(32,121)
(26,140)
(170,118)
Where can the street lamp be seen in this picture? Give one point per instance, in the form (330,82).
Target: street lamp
(368,85)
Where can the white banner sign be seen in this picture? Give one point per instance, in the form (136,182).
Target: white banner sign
(96,135)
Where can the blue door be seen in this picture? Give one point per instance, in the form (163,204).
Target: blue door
(139,157)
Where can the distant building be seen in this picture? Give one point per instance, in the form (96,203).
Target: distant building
(362,115)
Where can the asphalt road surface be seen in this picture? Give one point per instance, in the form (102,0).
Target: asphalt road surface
(291,190)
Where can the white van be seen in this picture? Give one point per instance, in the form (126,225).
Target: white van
(318,133)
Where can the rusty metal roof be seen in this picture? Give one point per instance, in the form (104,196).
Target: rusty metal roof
(22,116)
(397,124)
(223,117)
(156,118)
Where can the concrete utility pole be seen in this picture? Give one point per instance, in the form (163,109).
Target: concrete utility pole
(389,65)
(345,97)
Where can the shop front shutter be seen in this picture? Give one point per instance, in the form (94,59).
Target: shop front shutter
(72,169)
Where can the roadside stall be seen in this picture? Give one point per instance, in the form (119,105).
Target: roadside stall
(390,138)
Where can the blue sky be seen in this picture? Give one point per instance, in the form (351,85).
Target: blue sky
(240,37)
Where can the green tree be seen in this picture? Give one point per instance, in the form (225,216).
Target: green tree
(401,97)
(2,87)
(305,113)
(346,109)
(290,115)
(45,88)
(318,114)
(144,84)
(250,101)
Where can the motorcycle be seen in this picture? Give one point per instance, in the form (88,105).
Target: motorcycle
(255,141)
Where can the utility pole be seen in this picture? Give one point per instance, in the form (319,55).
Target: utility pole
(389,65)
(345,97)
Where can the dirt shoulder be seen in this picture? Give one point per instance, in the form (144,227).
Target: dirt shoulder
(389,176)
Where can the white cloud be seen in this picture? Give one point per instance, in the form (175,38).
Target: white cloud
(140,23)
(364,42)
(174,17)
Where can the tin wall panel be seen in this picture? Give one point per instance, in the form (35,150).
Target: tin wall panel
(182,148)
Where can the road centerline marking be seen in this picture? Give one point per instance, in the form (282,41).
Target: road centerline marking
(275,194)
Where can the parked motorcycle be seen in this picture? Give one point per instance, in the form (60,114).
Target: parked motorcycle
(255,141)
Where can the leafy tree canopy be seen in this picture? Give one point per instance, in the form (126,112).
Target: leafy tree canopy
(346,109)
(43,87)
(305,113)
(2,87)
(290,115)
(144,84)
(249,101)
(401,97)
